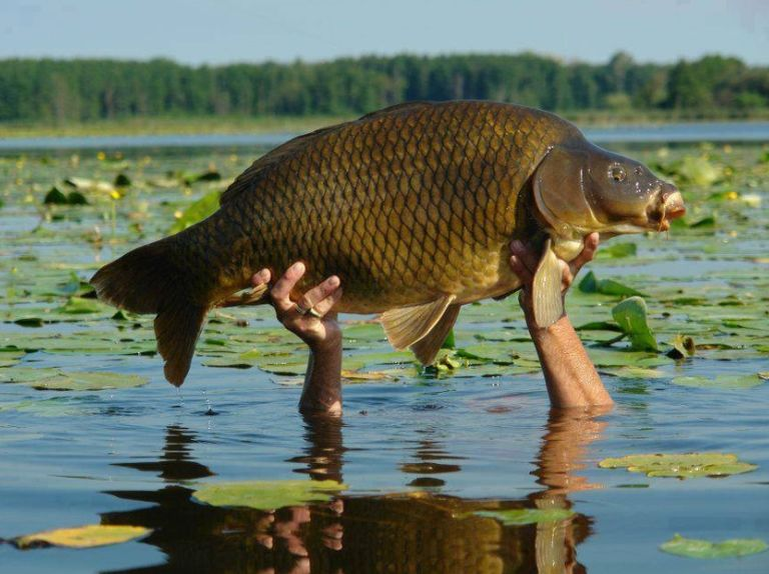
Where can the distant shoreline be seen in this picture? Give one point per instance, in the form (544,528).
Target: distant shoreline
(237,125)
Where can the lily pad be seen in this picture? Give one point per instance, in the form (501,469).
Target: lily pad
(591,284)
(79,306)
(266,495)
(520,516)
(89,536)
(617,251)
(58,380)
(196,211)
(720,381)
(630,315)
(694,548)
(690,465)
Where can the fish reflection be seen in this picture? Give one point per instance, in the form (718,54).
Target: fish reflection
(412,532)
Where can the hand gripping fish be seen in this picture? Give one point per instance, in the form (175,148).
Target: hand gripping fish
(413,207)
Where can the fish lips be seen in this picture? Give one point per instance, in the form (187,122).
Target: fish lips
(667,206)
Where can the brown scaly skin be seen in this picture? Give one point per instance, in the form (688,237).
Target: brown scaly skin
(403,206)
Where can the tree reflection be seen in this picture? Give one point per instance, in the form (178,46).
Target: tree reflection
(411,532)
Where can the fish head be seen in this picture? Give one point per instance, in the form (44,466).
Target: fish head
(580,188)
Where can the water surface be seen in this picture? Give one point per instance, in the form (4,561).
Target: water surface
(420,453)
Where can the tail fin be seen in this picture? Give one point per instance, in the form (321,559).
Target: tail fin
(147,280)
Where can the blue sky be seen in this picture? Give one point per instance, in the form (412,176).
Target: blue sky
(214,32)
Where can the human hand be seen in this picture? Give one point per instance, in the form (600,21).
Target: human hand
(317,325)
(524,260)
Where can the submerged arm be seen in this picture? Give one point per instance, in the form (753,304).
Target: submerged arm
(322,390)
(570,375)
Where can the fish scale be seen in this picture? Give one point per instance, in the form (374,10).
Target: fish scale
(413,207)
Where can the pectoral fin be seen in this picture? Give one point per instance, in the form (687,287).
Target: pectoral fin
(546,289)
(407,325)
(427,348)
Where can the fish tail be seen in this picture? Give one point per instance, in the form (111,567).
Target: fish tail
(149,280)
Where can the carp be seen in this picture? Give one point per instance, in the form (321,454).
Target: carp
(412,206)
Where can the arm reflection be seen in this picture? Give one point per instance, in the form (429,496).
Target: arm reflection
(421,530)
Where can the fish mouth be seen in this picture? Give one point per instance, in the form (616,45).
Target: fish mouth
(669,205)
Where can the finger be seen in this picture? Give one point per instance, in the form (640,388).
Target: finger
(567,276)
(521,270)
(282,290)
(526,254)
(261,277)
(324,306)
(587,253)
(319,292)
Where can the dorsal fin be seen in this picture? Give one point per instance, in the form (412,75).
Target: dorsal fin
(247,178)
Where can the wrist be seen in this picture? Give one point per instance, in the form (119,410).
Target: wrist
(331,344)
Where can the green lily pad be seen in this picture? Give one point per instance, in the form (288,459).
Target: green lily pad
(683,346)
(694,548)
(89,536)
(617,251)
(10,358)
(266,495)
(520,516)
(591,284)
(197,211)
(720,381)
(58,380)
(690,465)
(630,315)
(79,306)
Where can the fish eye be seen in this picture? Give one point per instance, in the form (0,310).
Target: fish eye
(617,173)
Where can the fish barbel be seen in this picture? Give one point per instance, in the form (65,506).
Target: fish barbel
(413,207)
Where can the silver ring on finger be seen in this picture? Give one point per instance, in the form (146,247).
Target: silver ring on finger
(301,310)
(314,313)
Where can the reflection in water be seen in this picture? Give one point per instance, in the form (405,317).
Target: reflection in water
(410,532)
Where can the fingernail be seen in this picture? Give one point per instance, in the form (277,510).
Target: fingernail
(298,267)
(263,275)
(333,281)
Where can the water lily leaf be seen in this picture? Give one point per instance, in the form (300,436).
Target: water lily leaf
(599,326)
(357,376)
(697,170)
(79,305)
(688,465)
(197,211)
(683,346)
(591,284)
(55,197)
(89,536)
(694,548)
(630,315)
(122,180)
(720,381)
(208,175)
(708,222)
(520,516)
(617,251)
(58,380)
(9,358)
(266,495)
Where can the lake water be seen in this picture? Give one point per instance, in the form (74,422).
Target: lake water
(422,455)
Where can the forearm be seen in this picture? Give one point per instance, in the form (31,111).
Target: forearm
(322,390)
(570,376)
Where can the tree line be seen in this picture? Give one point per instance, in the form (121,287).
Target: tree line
(86,89)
